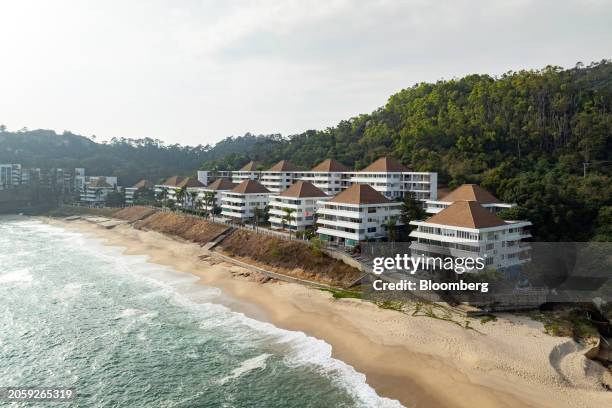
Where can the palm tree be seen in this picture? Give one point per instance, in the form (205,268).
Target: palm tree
(162,196)
(209,202)
(287,218)
(391,224)
(198,205)
(193,195)
(181,194)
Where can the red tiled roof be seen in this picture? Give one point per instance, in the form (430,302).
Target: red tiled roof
(470,192)
(284,165)
(360,194)
(467,214)
(330,165)
(250,187)
(385,165)
(301,189)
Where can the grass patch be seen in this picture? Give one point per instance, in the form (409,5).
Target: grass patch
(566,323)
(488,318)
(343,293)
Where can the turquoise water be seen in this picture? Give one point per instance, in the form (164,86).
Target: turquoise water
(126,333)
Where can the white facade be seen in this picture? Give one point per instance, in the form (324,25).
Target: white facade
(358,218)
(279,181)
(10,175)
(241,206)
(474,235)
(239,176)
(331,183)
(295,208)
(394,185)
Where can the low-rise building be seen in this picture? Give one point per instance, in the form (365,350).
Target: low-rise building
(96,191)
(166,190)
(210,196)
(466,229)
(295,208)
(393,180)
(279,177)
(243,201)
(331,176)
(10,175)
(358,213)
(249,171)
(130,191)
(467,192)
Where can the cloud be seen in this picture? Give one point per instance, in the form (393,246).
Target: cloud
(196,71)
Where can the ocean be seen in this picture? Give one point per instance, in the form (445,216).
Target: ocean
(127,333)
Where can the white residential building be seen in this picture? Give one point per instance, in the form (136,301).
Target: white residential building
(356,214)
(215,189)
(393,180)
(468,192)
(279,177)
(247,172)
(10,175)
(79,179)
(331,176)
(96,191)
(301,201)
(169,186)
(467,230)
(130,191)
(239,203)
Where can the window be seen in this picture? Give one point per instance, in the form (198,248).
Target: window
(372,229)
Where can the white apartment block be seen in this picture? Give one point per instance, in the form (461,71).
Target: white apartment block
(467,230)
(239,203)
(247,172)
(130,191)
(301,199)
(170,186)
(96,190)
(279,177)
(467,192)
(356,214)
(215,190)
(331,176)
(393,180)
(10,175)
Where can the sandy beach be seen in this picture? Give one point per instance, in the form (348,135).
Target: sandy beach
(420,361)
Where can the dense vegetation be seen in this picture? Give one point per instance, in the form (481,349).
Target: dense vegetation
(129,159)
(542,139)
(529,137)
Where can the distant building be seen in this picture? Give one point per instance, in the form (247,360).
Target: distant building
(247,172)
(466,229)
(280,176)
(241,202)
(301,198)
(96,191)
(10,175)
(169,187)
(357,214)
(331,176)
(129,191)
(215,189)
(468,192)
(392,179)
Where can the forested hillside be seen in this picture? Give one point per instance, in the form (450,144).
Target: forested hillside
(542,139)
(527,136)
(129,159)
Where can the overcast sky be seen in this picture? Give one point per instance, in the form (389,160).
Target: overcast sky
(197,71)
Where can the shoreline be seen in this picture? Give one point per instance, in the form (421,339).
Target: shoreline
(419,361)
